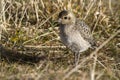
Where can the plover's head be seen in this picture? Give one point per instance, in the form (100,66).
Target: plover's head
(66,17)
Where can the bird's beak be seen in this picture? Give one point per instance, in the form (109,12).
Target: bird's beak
(59,20)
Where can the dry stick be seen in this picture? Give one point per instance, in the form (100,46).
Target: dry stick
(96,24)
(22,17)
(91,5)
(100,75)
(36,10)
(2,17)
(42,3)
(50,23)
(45,34)
(42,72)
(51,40)
(99,16)
(89,57)
(43,47)
(110,6)
(47,19)
(93,69)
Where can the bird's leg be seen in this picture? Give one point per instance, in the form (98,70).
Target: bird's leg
(77,56)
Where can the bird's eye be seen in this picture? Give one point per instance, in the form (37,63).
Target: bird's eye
(65,17)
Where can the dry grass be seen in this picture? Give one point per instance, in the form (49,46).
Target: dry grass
(30,47)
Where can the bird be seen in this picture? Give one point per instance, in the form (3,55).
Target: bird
(75,34)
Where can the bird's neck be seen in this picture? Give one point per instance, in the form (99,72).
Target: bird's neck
(66,29)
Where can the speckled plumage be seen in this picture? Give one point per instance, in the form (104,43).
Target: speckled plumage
(74,33)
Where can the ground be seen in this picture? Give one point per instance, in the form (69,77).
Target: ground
(30,47)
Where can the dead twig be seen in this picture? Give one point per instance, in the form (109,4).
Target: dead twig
(43,47)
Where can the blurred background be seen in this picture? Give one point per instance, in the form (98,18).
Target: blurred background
(30,47)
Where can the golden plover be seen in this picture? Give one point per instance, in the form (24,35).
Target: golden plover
(74,33)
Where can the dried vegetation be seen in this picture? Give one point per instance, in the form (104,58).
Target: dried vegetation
(30,47)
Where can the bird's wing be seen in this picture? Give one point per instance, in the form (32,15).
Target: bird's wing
(85,32)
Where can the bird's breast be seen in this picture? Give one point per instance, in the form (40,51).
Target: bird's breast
(71,36)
